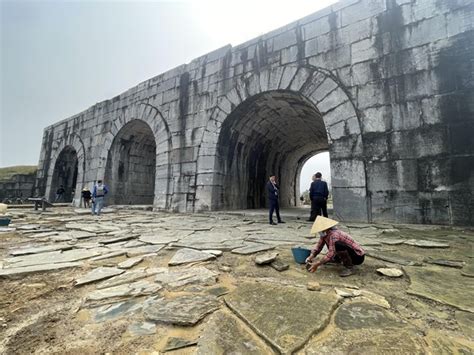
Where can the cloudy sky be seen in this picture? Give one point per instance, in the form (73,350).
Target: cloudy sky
(58,58)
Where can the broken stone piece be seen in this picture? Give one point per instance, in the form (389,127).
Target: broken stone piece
(98,274)
(129,263)
(313,286)
(390,272)
(279,265)
(252,248)
(425,243)
(266,258)
(178,343)
(346,292)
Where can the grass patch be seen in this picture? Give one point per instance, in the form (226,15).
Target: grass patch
(8,172)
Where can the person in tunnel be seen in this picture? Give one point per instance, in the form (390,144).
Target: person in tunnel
(59,193)
(341,247)
(273,191)
(318,193)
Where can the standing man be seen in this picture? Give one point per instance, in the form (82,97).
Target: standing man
(273,195)
(318,193)
(59,193)
(98,196)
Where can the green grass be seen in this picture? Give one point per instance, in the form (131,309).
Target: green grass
(8,172)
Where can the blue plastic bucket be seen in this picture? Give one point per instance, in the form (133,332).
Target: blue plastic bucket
(4,221)
(300,254)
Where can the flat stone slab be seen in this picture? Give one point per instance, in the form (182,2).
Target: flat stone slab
(392,241)
(359,315)
(134,289)
(266,258)
(142,328)
(184,310)
(251,248)
(425,243)
(130,276)
(224,334)
(468,270)
(390,272)
(129,263)
(458,264)
(466,322)
(116,310)
(283,312)
(38,250)
(185,256)
(174,343)
(159,238)
(173,279)
(53,257)
(441,285)
(147,249)
(280,265)
(394,259)
(98,274)
(113,254)
(35,268)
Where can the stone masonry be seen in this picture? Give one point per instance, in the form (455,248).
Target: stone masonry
(386,86)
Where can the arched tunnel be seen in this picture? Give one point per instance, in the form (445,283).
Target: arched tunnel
(273,133)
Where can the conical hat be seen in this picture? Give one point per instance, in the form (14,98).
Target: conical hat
(322,223)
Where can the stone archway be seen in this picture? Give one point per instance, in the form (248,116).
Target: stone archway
(151,117)
(322,111)
(131,164)
(67,167)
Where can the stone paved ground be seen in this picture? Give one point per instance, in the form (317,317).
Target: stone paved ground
(147,282)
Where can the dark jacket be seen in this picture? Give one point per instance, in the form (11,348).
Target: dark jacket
(272,191)
(319,188)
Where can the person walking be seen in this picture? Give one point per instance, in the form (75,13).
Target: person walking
(318,193)
(98,196)
(273,195)
(60,193)
(86,197)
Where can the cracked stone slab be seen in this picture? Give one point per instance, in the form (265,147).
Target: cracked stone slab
(224,334)
(147,249)
(161,237)
(393,258)
(280,265)
(142,328)
(468,270)
(117,310)
(17,271)
(134,289)
(175,343)
(53,257)
(224,246)
(282,311)
(441,285)
(360,315)
(185,256)
(98,274)
(251,248)
(113,254)
(184,310)
(129,263)
(458,264)
(425,243)
(38,250)
(173,279)
(130,276)
(466,322)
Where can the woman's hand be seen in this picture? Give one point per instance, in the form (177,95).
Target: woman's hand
(309,259)
(314,267)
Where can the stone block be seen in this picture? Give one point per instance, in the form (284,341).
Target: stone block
(428,142)
(289,55)
(361,10)
(316,28)
(283,40)
(350,204)
(347,173)
(425,31)
(376,119)
(364,50)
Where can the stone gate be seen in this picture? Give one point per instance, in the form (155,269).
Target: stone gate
(386,86)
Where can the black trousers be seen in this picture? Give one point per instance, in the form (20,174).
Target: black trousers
(356,259)
(318,207)
(274,206)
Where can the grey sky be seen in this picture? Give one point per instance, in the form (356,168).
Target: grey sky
(60,57)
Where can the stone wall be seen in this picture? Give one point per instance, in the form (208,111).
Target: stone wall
(20,186)
(385,85)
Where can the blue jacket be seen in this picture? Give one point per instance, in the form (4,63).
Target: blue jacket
(318,188)
(272,191)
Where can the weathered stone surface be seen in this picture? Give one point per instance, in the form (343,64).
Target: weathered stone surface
(466,323)
(213,252)
(17,271)
(116,310)
(224,334)
(38,250)
(393,241)
(393,258)
(442,342)
(138,288)
(282,310)
(251,248)
(174,343)
(390,272)
(131,262)
(184,310)
(425,243)
(458,264)
(113,254)
(52,257)
(130,276)
(266,258)
(468,270)
(142,328)
(442,285)
(185,256)
(148,249)
(158,239)
(173,279)
(313,286)
(347,292)
(364,315)
(98,274)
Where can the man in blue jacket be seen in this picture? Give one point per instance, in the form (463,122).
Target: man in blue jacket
(98,196)
(318,192)
(273,192)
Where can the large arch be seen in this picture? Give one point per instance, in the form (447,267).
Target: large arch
(152,117)
(320,109)
(69,154)
(131,164)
